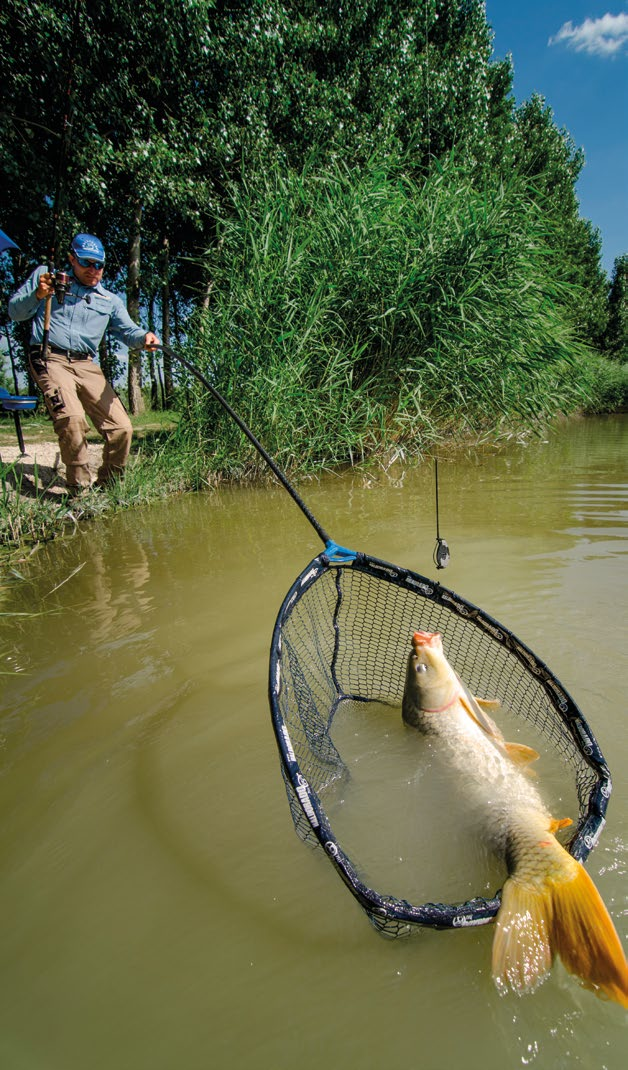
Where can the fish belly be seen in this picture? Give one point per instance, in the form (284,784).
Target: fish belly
(500,798)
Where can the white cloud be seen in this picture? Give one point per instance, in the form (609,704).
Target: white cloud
(606,36)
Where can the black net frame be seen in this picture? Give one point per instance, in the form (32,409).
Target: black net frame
(343,632)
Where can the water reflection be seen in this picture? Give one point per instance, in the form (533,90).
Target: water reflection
(119,608)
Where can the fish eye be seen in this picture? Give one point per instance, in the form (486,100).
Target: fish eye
(420,666)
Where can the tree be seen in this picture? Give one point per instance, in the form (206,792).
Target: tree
(549,159)
(33,104)
(616,338)
(289,76)
(136,402)
(135,151)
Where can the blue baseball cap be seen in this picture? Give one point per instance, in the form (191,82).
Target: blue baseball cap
(88,247)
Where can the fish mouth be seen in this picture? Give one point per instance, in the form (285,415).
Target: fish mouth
(427,639)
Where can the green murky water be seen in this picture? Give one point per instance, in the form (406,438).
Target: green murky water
(158,911)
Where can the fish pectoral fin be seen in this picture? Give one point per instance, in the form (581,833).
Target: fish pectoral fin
(520,754)
(481,719)
(488,703)
(559,823)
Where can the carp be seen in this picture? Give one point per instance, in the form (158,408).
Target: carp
(549,904)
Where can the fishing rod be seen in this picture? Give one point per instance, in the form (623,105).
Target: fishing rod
(283,479)
(62,281)
(441,550)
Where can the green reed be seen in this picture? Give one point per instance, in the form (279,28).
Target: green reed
(353,312)
(28,514)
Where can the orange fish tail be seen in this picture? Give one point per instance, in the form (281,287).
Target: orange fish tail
(584,937)
(564,916)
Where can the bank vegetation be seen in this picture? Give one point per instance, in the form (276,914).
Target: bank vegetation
(340,216)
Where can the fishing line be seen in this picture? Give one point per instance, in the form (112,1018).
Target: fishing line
(441,555)
(427,89)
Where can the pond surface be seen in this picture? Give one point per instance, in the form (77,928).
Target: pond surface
(159,912)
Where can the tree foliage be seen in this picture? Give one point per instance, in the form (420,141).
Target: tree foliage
(616,337)
(549,158)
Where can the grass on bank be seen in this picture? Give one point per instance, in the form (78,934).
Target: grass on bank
(37,428)
(32,511)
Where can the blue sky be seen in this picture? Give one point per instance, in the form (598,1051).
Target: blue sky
(575,54)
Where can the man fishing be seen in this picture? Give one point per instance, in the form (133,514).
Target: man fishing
(63,348)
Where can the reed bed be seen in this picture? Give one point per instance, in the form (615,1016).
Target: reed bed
(357,311)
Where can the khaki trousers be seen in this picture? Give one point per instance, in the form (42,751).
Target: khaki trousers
(72,388)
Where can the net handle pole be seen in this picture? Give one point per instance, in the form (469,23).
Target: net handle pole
(66,135)
(283,479)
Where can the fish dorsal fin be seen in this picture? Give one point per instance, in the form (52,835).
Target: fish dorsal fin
(520,754)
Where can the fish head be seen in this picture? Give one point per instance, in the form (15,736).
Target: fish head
(431,683)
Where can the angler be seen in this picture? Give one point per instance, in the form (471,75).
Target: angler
(70,311)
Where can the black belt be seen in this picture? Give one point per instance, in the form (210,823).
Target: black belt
(71,354)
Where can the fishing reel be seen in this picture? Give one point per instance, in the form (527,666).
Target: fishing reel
(441,554)
(62,283)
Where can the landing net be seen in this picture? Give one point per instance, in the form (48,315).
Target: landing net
(343,634)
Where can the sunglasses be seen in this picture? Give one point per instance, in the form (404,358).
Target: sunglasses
(98,264)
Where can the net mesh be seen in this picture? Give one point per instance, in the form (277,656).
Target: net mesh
(343,634)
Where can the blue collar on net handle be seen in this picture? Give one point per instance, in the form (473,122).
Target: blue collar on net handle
(339,555)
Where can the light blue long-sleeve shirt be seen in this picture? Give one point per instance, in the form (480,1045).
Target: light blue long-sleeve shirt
(81,321)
